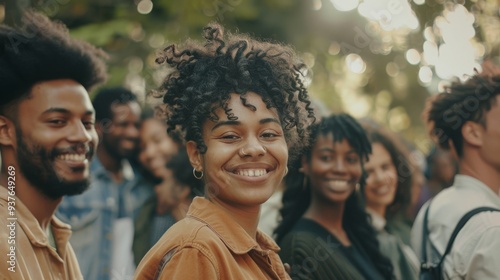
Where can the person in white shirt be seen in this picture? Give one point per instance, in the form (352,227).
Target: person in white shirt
(464,119)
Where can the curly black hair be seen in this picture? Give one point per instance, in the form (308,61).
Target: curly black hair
(400,159)
(460,103)
(41,50)
(204,76)
(297,197)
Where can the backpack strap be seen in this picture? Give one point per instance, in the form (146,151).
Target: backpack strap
(425,236)
(460,225)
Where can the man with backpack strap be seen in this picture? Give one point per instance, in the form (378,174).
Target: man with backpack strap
(466,120)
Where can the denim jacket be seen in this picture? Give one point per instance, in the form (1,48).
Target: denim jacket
(91,216)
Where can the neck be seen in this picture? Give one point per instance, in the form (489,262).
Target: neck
(40,206)
(378,209)
(483,172)
(328,214)
(247,217)
(110,163)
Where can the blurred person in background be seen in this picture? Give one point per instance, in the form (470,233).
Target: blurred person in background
(269,212)
(464,120)
(324,232)
(47,139)
(156,147)
(387,196)
(440,170)
(102,219)
(166,160)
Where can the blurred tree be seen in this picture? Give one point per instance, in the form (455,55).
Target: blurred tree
(376,58)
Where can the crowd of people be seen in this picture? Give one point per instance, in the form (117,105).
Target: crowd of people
(236,175)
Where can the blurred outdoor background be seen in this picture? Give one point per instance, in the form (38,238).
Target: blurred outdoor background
(370,58)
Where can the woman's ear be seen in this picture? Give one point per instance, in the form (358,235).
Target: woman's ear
(195,157)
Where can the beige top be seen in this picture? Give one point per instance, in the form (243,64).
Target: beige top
(25,246)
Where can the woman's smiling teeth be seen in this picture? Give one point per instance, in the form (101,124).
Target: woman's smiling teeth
(72,157)
(338,185)
(381,190)
(251,172)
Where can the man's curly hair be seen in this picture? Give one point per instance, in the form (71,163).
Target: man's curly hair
(458,104)
(41,50)
(204,76)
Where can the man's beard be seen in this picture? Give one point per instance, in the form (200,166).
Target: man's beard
(37,166)
(111,146)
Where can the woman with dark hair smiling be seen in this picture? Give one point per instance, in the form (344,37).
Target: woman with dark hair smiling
(242,105)
(324,233)
(387,196)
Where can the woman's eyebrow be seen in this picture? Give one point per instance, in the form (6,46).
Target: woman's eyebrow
(235,122)
(229,122)
(269,120)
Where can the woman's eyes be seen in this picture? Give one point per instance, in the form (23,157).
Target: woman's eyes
(230,137)
(328,158)
(264,135)
(386,167)
(269,135)
(352,160)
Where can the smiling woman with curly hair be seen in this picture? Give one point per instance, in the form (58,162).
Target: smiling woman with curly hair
(243,108)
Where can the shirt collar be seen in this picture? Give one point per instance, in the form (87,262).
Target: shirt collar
(229,231)
(33,230)
(127,171)
(378,222)
(465,182)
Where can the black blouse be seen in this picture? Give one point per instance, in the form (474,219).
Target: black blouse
(314,253)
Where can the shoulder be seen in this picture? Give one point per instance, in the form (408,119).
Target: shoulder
(299,245)
(482,225)
(312,257)
(188,233)
(475,251)
(187,244)
(295,239)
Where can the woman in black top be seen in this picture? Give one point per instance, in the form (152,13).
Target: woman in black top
(325,233)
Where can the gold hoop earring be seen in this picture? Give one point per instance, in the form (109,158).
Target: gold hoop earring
(197,176)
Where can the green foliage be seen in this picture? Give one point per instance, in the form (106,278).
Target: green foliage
(128,35)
